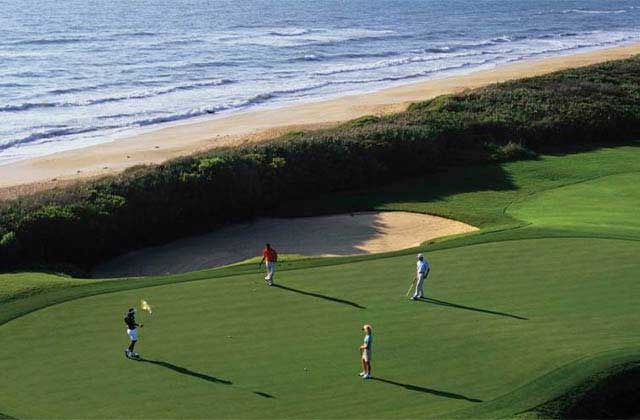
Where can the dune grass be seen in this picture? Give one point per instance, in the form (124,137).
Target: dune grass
(539,300)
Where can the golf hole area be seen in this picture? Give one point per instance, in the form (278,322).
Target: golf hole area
(335,235)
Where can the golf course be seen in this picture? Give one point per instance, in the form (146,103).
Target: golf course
(533,315)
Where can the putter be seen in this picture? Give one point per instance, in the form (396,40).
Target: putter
(413,284)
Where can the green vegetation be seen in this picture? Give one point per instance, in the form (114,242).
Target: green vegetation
(85,223)
(607,394)
(20,285)
(534,315)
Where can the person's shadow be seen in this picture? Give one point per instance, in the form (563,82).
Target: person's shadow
(319,296)
(469,308)
(185,371)
(435,392)
(204,377)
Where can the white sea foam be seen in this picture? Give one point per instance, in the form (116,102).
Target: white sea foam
(594,12)
(272,38)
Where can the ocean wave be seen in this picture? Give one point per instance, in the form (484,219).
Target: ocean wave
(441,69)
(296,90)
(177,42)
(154,93)
(314,37)
(594,12)
(26,74)
(82,89)
(469,45)
(393,63)
(603,40)
(49,41)
(84,38)
(503,38)
(207,64)
(586,39)
(133,34)
(54,133)
(196,85)
(179,116)
(27,106)
(97,101)
(568,34)
(344,56)
(64,91)
(13,85)
(290,32)
(157,68)
(254,100)
(443,49)
(116,116)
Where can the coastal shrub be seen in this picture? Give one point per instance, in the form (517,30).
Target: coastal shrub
(509,152)
(8,246)
(366,120)
(147,205)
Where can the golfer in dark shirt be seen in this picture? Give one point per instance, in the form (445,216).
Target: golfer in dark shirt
(132,332)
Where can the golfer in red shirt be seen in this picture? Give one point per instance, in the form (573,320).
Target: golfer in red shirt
(271,257)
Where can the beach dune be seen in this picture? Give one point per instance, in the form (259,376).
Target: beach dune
(198,135)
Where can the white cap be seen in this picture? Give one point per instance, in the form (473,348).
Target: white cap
(420,256)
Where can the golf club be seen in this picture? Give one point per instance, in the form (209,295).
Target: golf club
(411,287)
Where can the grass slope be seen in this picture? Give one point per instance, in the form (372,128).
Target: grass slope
(544,296)
(15,286)
(580,206)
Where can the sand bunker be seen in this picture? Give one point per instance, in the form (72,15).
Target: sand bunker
(351,234)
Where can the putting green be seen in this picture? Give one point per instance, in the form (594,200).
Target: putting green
(609,205)
(511,322)
(219,348)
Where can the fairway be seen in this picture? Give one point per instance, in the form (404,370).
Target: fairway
(549,284)
(609,205)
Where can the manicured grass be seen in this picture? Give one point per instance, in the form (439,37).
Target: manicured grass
(495,325)
(609,205)
(543,297)
(21,285)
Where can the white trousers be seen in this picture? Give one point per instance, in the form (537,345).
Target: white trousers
(420,284)
(271,269)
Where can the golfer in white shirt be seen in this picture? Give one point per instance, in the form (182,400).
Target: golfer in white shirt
(422,272)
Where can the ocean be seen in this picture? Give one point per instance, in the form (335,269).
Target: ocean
(76,73)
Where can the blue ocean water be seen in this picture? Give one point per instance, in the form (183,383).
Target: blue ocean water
(79,72)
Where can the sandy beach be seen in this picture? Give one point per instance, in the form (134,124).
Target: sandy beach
(255,125)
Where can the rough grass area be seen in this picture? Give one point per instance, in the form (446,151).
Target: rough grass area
(525,312)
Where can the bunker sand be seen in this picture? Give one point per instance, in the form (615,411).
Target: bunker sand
(337,235)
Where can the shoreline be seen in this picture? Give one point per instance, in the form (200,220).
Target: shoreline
(40,173)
